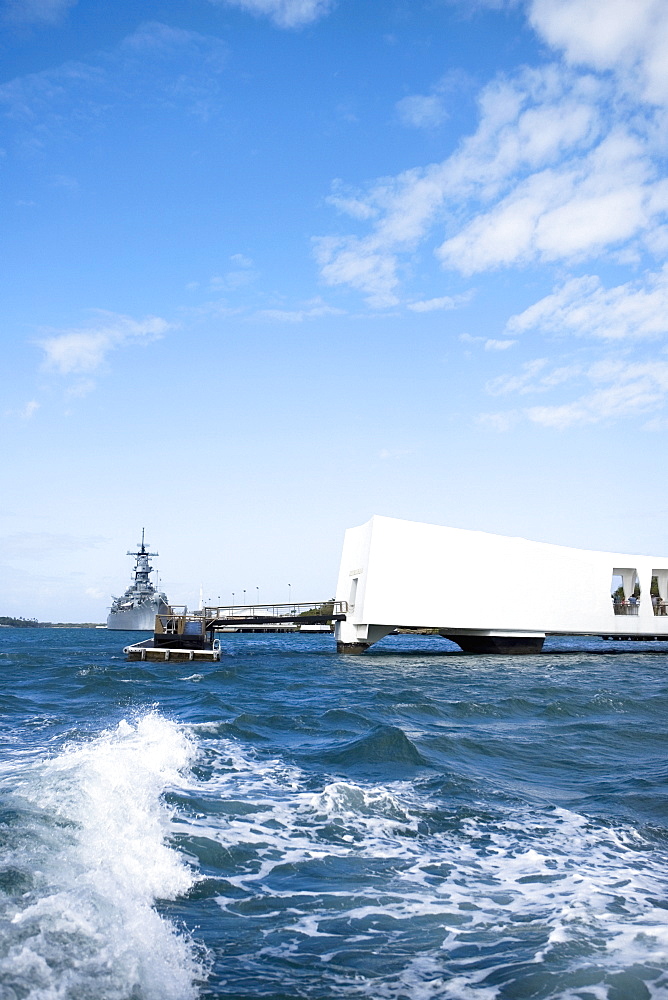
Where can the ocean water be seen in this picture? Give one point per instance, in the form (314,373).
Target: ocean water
(411,824)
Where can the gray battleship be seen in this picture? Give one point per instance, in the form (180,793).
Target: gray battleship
(135,611)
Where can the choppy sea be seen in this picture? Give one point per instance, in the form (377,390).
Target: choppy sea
(410,824)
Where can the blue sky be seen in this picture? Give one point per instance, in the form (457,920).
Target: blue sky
(273,266)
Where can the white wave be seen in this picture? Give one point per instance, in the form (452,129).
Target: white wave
(341,799)
(93,828)
(568,891)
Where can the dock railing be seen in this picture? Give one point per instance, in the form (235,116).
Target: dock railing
(176,622)
(175,628)
(306,613)
(626,609)
(172,621)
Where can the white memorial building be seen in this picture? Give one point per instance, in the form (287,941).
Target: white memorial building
(490,593)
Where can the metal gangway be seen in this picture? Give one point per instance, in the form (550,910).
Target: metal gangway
(311,613)
(177,622)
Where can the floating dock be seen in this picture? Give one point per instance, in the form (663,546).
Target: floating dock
(146,650)
(177,636)
(182,636)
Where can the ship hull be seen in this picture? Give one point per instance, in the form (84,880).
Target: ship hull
(140,618)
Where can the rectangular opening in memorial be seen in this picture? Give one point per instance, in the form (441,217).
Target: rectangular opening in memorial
(659,591)
(353,593)
(625,591)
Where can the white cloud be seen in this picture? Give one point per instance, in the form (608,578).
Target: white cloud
(242,274)
(356,262)
(565,212)
(37,11)
(85,349)
(500,422)
(311,310)
(607,391)
(241,260)
(284,13)
(529,126)
(66,182)
(170,68)
(629,37)
(489,344)
(348,203)
(80,388)
(470,6)
(39,544)
(524,381)
(30,409)
(230,281)
(584,307)
(564,166)
(422,111)
(499,345)
(150,52)
(656,425)
(430,305)
(630,390)
(560,417)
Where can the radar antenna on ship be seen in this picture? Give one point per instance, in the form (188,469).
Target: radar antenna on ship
(142,548)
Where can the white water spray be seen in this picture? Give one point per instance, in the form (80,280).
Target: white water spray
(97,839)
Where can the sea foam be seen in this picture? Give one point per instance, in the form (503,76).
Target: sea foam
(93,833)
(419,899)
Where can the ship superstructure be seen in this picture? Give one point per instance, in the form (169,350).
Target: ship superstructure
(136,610)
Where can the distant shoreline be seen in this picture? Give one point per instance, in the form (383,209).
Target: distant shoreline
(7,621)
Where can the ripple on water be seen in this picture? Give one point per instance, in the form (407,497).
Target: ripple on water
(373,889)
(288,824)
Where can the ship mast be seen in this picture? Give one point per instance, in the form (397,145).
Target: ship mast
(143,568)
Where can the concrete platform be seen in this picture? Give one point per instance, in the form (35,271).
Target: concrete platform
(491,593)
